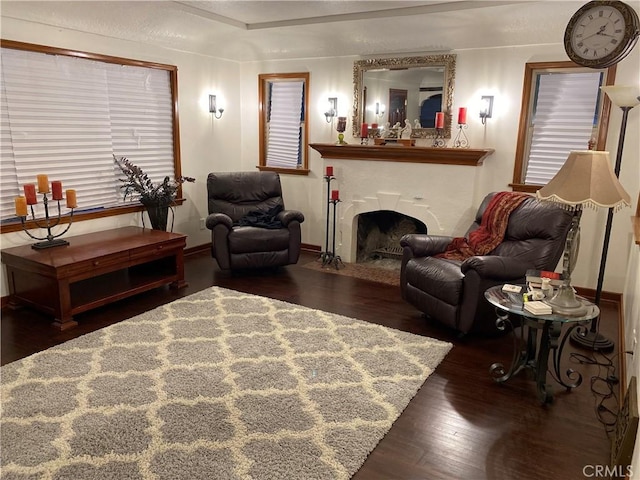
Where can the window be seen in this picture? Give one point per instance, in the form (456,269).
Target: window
(283,123)
(563,109)
(65,114)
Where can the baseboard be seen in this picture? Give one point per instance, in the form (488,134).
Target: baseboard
(590,294)
(310,248)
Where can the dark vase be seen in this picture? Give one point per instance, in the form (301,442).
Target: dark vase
(158,214)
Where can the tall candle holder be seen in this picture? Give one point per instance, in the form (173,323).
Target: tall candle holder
(50,240)
(326,256)
(439,140)
(335,259)
(461,140)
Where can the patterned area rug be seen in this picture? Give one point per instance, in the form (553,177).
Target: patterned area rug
(217,385)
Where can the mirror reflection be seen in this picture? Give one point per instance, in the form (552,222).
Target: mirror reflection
(392,92)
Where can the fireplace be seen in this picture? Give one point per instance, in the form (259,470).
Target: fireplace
(379,233)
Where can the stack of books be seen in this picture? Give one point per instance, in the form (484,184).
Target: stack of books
(534,277)
(538,308)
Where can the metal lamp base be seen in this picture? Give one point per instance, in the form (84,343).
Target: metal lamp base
(585,338)
(564,302)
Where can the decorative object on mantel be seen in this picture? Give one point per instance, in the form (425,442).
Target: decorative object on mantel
(439,140)
(461,140)
(340,128)
(333,197)
(30,199)
(157,199)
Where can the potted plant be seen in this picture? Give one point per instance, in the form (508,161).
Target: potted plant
(157,198)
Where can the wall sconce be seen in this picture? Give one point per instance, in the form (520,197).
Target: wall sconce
(379,109)
(217,112)
(486,107)
(333,109)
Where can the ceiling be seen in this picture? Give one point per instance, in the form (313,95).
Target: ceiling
(268,29)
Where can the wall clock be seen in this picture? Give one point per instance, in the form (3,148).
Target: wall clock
(601,33)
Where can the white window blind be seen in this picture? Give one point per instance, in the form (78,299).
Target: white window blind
(563,120)
(284,131)
(66,117)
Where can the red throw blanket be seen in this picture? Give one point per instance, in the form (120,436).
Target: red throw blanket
(491,231)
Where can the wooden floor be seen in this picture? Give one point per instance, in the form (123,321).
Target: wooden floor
(460,425)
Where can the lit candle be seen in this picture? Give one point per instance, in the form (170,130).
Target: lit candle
(43,183)
(439,119)
(30,194)
(21,206)
(462,115)
(71,199)
(329,171)
(335,195)
(56,190)
(364,130)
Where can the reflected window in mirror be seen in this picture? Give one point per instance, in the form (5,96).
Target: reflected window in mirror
(563,109)
(388,91)
(283,108)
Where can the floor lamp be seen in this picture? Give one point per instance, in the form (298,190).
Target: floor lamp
(625,97)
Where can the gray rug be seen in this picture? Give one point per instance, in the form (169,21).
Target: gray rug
(217,385)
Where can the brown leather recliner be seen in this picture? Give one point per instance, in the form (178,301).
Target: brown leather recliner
(250,227)
(452,292)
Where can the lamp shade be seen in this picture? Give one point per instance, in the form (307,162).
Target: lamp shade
(623,95)
(586,178)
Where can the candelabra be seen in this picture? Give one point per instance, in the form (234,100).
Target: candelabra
(50,240)
(461,140)
(333,197)
(439,140)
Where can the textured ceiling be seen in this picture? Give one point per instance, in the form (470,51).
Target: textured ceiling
(262,30)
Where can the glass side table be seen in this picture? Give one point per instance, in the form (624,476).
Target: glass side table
(525,350)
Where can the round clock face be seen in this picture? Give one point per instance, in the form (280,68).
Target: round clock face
(601,33)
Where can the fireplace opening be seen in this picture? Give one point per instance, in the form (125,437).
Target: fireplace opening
(379,234)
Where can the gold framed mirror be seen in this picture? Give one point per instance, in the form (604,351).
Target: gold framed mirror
(387,89)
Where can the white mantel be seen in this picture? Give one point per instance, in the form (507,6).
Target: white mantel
(441,196)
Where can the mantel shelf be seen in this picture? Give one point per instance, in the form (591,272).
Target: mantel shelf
(395,153)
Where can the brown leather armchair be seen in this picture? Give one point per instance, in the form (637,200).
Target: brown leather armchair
(452,292)
(250,227)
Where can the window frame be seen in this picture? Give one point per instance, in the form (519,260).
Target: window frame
(172,70)
(263,105)
(527,106)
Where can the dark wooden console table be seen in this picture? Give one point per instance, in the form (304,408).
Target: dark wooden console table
(93,270)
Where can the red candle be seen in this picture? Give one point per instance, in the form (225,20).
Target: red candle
(335,195)
(56,189)
(364,130)
(329,171)
(439,119)
(462,115)
(374,125)
(30,193)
